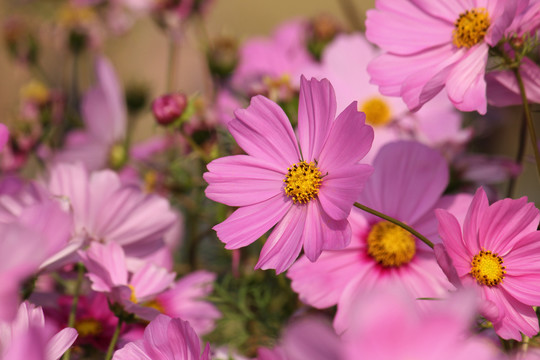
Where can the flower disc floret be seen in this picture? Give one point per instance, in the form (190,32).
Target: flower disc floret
(302,182)
(471,27)
(377,111)
(88,327)
(487,268)
(390,245)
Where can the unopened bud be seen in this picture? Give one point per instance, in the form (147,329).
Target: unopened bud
(168,108)
(223,57)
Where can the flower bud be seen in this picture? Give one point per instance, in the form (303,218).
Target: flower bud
(168,108)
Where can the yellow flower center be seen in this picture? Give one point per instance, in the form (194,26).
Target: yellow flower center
(390,245)
(377,111)
(35,91)
(487,268)
(88,327)
(302,182)
(154,304)
(471,27)
(132,297)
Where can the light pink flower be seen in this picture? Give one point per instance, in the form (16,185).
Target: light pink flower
(322,180)
(407,184)
(105,210)
(105,119)
(388,324)
(108,273)
(497,250)
(186,300)
(344,64)
(29,337)
(165,338)
(4,136)
(431,45)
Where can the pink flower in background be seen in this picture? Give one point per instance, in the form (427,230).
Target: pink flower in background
(165,338)
(4,136)
(497,250)
(105,119)
(108,273)
(105,210)
(431,45)
(29,337)
(186,300)
(308,194)
(387,324)
(344,64)
(407,184)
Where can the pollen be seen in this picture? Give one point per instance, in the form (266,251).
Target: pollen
(154,304)
(487,268)
(390,245)
(471,27)
(132,297)
(88,327)
(377,111)
(303,182)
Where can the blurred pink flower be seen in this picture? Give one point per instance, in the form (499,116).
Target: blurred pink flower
(105,120)
(29,337)
(321,182)
(431,45)
(106,265)
(165,338)
(407,184)
(497,250)
(105,210)
(186,300)
(4,136)
(344,64)
(387,324)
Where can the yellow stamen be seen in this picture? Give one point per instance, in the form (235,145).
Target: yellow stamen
(88,327)
(471,27)
(154,304)
(303,182)
(377,111)
(487,268)
(132,297)
(390,245)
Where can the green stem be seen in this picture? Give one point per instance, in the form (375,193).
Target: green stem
(194,146)
(396,222)
(74,303)
(528,117)
(114,339)
(519,156)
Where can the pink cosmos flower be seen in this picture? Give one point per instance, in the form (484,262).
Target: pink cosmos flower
(431,45)
(497,250)
(407,184)
(108,273)
(388,324)
(165,338)
(29,337)
(105,210)
(308,193)
(4,136)
(105,119)
(344,64)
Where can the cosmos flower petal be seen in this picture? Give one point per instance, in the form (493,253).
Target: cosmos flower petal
(284,244)
(524,259)
(264,131)
(316,113)
(524,289)
(59,343)
(472,220)
(348,142)
(450,232)
(447,10)
(259,180)
(503,89)
(4,136)
(248,223)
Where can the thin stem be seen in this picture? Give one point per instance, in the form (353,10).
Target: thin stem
(114,339)
(74,303)
(519,156)
(528,117)
(194,146)
(172,64)
(396,222)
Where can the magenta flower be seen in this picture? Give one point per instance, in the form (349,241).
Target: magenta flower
(165,338)
(497,249)
(407,184)
(308,193)
(4,136)
(431,45)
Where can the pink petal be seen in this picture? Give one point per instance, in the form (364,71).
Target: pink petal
(447,265)
(340,189)
(450,232)
(59,343)
(473,220)
(348,142)
(316,113)
(524,257)
(243,180)
(524,288)
(106,266)
(447,10)
(284,244)
(503,89)
(4,136)
(466,86)
(151,280)
(249,223)
(264,131)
